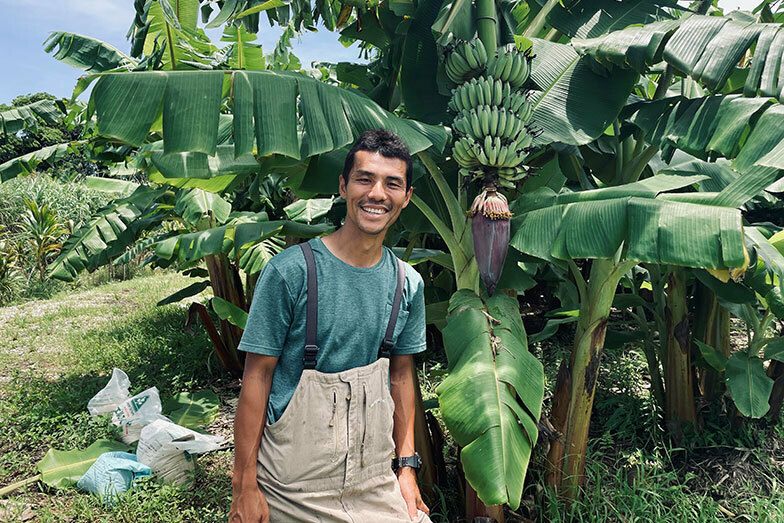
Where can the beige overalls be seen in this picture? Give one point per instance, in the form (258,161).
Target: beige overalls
(328,458)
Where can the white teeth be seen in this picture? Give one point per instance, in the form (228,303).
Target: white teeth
(374,211)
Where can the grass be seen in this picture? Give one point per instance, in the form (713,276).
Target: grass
(57,353)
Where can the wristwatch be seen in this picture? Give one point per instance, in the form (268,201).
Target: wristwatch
(415,462)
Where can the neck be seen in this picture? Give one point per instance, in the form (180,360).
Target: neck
(354,247)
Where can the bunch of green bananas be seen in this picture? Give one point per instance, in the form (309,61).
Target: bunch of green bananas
(492,131)
(466,60)
(510,65)
(488,120)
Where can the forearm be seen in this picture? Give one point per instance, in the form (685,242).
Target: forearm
(250,420)
(402,391)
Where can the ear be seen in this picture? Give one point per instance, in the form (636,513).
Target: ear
(409,192)
(342,187)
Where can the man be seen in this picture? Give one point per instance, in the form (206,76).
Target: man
(327,395)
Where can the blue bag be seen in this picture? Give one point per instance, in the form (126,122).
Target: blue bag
(112,473)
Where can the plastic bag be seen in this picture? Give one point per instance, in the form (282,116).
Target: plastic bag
(167,448)
(136,412)
(114,393)
(112,473)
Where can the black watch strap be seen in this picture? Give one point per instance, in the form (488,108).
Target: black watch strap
(415,462)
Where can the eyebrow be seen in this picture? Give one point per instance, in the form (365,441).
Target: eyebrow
(363,172)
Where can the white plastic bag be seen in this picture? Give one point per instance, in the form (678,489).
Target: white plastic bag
(114,393)
(166,448)
(136,412)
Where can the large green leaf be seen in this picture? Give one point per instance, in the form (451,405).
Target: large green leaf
(491,400)
(63,468)
(270,108)
(106,234)
(419,67)
(195,205)
(742,129)
(572,103)
(25,117)
(228,311)
(242,53)
(191,290)
(192,409)
(308,210)
(748,384)
(596,224)
(28,162)
(589,18)
(86,53)
(707,48)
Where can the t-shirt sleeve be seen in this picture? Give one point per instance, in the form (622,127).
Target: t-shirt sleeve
(270,314)
(412,338)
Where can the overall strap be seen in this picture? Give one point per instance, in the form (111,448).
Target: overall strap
(386,345)
(311,317)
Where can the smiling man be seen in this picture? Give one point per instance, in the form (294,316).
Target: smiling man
(324,429)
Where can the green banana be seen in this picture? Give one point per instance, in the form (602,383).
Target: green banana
(472,96)
(476,126)
(490,151)
(493,121)
(516,68)
(468,55)
(498,92)
(480,154)
(481,51)
(484,119)
(501,122)
(508,63)
(502,152)
(487,90)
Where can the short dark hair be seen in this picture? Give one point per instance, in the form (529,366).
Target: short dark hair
(387,144)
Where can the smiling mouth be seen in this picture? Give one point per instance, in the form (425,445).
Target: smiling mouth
(376,211)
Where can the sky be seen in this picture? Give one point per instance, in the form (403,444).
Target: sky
(25,24)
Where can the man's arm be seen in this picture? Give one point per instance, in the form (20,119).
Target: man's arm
(402,390)
(248,503)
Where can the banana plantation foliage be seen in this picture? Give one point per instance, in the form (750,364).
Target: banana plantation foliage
(628,152)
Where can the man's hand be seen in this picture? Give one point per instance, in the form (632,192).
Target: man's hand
(406,476)
(249,506)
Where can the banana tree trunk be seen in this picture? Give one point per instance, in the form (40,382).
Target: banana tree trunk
(711,327)
(423,442)
(227,284)
(678,377)
(576,383)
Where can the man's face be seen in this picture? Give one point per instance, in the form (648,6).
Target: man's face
(375,192)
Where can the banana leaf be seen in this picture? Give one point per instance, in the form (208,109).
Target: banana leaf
(106,234)
(589,18)
(26,117)
(597,223)
(491,400)
(192,409)
(266,108)
(564,85)
(191,290)
(86,53)
(748,384)
(229,311)
(194,205)
(28,162)
(63,468)
(706,48)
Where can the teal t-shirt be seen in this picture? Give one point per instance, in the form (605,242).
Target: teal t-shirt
(353,311)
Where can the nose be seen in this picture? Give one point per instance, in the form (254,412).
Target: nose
(377,191)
